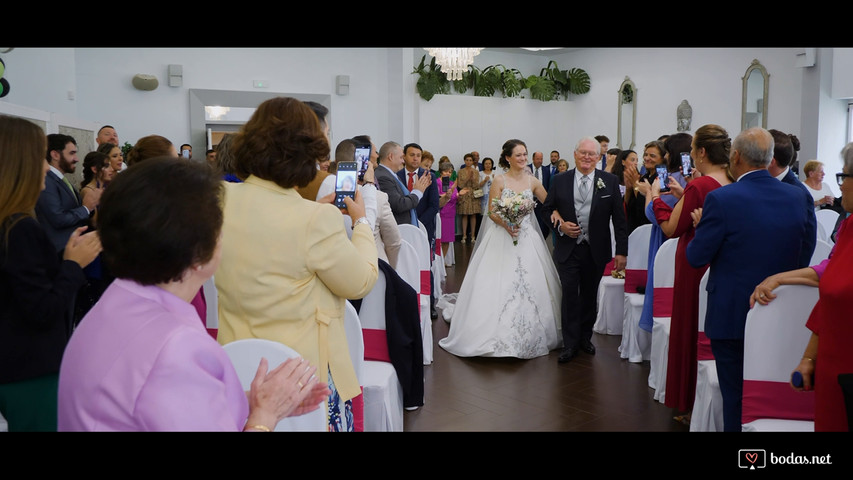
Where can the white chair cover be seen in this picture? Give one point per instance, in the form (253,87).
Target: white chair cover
(664,279)
(774,340)
(355,343)
(246,354)
(4,425)
(383,394)
(611,300)
(826,220)
(211,300)
(707,414)
(822,249)
(439,273)
(417,238)
(636,342)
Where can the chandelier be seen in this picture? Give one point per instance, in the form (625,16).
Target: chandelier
(454,61)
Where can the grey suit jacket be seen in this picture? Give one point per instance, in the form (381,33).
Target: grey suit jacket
(401,204)
(59,211)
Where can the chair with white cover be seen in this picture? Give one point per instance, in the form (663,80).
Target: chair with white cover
(826,220)
(611,299)
(774,340)
(417,238)
(664,279)
(355,343)
(707,414)
(211,300)
(822,249)
(383,394)
(246,355)
(4,425)
(636,342)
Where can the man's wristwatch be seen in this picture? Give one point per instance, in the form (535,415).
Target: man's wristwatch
(360,221)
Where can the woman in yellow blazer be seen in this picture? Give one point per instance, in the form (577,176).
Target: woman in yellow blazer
(287,264)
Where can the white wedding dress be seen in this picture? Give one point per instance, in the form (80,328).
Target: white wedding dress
(509,302)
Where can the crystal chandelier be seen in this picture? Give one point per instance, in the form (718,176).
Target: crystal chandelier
(454,61)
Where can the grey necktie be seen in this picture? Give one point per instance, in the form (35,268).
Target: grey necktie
(584,186)
(537,174)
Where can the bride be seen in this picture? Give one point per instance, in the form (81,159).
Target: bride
(509,302)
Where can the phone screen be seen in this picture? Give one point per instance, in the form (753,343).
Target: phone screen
(663,175)
(185,153)
(686,164)
(362,157)
(445,183)
(345,182)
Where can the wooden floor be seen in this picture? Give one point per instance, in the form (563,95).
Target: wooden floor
(600,393)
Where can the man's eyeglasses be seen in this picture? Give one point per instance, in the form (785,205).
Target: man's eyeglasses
(839,177)
(588,154)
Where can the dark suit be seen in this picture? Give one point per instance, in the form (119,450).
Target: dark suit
(427,207)
(401,203)
(59,211)
(544,224)
(749,230)
(791,179)
(580,265)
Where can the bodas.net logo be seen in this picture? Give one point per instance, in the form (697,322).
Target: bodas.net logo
(752,458)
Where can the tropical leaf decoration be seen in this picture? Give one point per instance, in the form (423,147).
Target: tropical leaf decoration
(431,80)
(541,88)
(578,81)
(551,83)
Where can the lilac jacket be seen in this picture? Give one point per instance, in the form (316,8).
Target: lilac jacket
(140,360)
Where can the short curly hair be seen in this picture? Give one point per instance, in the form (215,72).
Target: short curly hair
(160,218)
(281,142)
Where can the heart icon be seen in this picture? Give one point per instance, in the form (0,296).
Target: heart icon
(752,457)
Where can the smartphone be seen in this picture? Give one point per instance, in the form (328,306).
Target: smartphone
(797,379)
(663,175)
(445,183)
(185,153)
(362,157)
(686,164)
(345,182)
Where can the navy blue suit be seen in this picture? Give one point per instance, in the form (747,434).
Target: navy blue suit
(791,179)
(427,206)
(749,230)
(59,211)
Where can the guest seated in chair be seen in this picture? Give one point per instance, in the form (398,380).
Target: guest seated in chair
(140,360)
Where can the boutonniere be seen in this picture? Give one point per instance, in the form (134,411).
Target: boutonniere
(599,184)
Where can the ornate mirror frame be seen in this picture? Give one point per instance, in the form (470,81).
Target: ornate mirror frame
(751,96)
(626,97)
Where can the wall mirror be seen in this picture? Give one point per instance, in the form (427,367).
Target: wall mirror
(627,122)
(755,85)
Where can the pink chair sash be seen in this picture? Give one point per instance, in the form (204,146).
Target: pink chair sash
(375,345)
(662,302)
(425,284)
(634,278)
(764,399)
(703,348)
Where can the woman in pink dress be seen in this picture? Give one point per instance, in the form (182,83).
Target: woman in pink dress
(447,202)
(710,152)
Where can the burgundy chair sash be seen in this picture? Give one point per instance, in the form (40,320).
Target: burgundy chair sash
(608,268)
(662,302)
(764,399)
(375,345)
(635,278)
(703,348)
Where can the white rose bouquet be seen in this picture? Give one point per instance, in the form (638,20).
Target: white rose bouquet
(512,210)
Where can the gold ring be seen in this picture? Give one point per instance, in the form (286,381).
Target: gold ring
(761,295)
(300,385)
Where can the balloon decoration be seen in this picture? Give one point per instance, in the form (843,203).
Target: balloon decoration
(4,84)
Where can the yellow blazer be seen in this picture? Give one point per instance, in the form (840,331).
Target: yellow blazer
(287,268)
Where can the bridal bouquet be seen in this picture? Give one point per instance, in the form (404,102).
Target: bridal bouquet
(512,210)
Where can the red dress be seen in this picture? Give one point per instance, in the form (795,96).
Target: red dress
(832,323)
(684,325)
